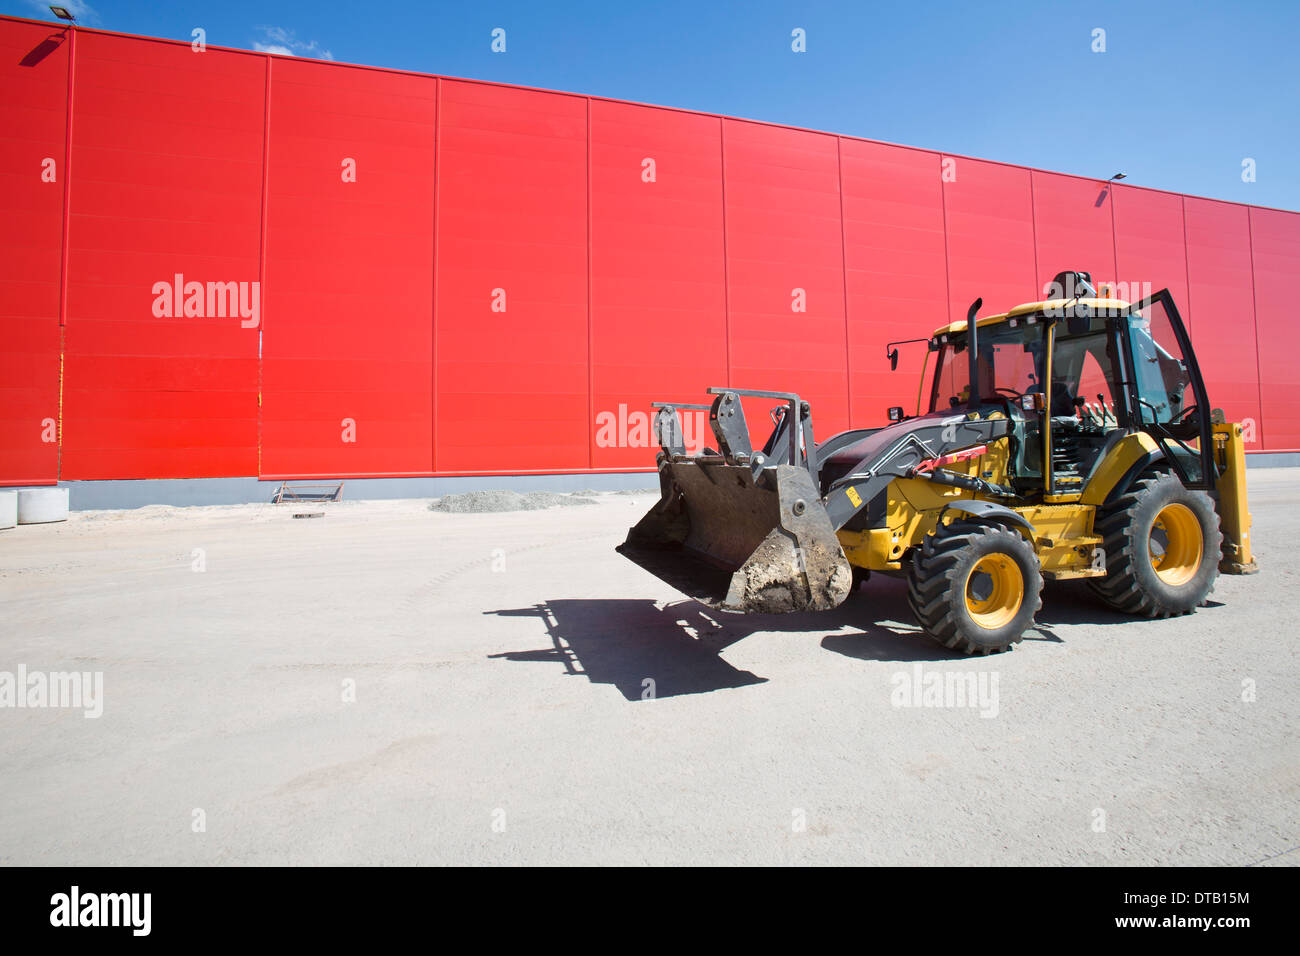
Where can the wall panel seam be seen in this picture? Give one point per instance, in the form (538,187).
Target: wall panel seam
(726,265)
(591,358)
(1254,318)
(1187,265)
(844,275)
(261,250)
(1114,234)
(947,269)
(1033,225)
(433,310)
(64,247)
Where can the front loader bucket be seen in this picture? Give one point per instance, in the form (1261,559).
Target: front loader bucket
(738,542)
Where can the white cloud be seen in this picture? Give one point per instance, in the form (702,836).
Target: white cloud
(286,43)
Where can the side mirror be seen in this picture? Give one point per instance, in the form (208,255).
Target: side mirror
(896,413)
(893,360)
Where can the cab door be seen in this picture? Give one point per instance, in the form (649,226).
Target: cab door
(1166,391)
(1088,405)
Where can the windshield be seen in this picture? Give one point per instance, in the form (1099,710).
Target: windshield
(951,378)
(1011,363)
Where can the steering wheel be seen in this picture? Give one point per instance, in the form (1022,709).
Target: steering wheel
(1184,415)
(1003,388)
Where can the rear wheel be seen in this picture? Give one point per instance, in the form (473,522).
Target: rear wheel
(975,587)
(1162,545)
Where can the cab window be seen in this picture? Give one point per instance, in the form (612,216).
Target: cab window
(1162,379)
(1010,364)
(951,378)
(1085,377)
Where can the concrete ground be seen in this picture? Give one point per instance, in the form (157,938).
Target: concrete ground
(388,684)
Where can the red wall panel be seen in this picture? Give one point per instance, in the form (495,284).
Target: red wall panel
(33,126)
(1150,245)
(658,295)
(167,161)
(988,209)
(1222,310)
(349,331)
(512,387)
(378,294)
(895,270)
(784,233)
(1072,228)
(1275,240)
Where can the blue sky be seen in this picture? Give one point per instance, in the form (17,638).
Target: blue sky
(1183,93)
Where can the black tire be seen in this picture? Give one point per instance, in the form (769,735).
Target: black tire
(1134,584)
(943,576)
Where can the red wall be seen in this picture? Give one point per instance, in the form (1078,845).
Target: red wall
(347,351)
(1275,245)
(895,268)
(166,179)
(1220,308)
(513,275)
(1150,244)
(785,266)
(512,383)
(33,129)
(1072,222)
(989,212)
(658,299)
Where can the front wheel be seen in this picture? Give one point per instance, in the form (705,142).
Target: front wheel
(1161,542)
(975,587)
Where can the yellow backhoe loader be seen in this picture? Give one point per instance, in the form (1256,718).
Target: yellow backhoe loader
(1067,438)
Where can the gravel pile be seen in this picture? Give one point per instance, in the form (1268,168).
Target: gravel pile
(481,502)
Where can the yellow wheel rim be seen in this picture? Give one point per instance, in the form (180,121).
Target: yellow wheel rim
(1175,545)
(994,590)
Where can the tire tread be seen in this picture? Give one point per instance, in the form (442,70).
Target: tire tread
(1121,588)
(930,582)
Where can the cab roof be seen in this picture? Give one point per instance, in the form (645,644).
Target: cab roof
(1035,308)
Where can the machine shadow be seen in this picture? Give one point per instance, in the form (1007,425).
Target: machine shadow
(630,642)
(885,599)
(1072,602)
(626,642)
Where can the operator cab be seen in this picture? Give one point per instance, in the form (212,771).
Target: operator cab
(1074,375)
